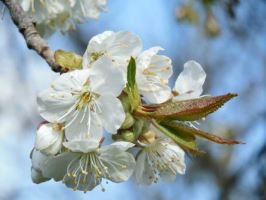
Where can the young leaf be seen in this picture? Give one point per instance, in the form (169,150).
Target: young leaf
(131,73)
(68,60)
(185,141)
(132,89)
(181,128)
(189,110)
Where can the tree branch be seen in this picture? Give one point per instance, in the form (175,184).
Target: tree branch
(26,26)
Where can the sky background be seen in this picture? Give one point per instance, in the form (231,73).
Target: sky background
(235,61)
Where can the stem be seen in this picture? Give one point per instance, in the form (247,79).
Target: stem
(26,26)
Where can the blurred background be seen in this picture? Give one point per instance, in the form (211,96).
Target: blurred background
(228,37)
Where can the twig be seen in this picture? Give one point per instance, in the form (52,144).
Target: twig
(26,26)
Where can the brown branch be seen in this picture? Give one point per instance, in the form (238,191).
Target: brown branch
(26,26)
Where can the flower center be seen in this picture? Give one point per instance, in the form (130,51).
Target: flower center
(86,171)
(84,100)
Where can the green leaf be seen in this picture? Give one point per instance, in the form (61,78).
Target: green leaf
(185,141)
(187,110)
(132,88)
(68,60)
(181,128)
(131,73)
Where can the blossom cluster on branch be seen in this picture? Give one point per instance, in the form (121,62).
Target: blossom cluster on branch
(118,88)
(53,15)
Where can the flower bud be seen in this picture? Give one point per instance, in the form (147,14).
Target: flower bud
(128,136)
(125,102)
(129,121)
(49,138)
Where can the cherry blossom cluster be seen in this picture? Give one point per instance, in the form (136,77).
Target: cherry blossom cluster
(110,118)
(53,15)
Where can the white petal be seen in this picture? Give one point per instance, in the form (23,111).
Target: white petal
(38,160)
(120,164)
(112,113)
(37,177)
(144,173)
(48,140)
(190,81)
(123,44)
(56,166)
(95,46)
(52,105)
(124,146)
(87,125)
(143,60)
(156,94)
(106,78)
(101,37)
(71,81)
(83,145)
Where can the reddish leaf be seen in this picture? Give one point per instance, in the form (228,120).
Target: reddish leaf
(188,110)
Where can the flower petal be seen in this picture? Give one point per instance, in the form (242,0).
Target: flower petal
(120,164)
(83,145)
(190,81)
(106,78)
(123,44)
(112,113)
(52,105)
(87,125)
(144,59)
(144,173)
(156,94)
(56,166)
(38,160)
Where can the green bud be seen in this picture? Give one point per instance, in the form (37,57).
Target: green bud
(68,60)
(138,127)
(125,102)
(129,121)
(128,136)
(116,137)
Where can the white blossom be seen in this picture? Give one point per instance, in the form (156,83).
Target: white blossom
(52,15)
(49,138)
(84,167)
(153,72)
(159,157)
(189,83)
(85,101)
(118,46)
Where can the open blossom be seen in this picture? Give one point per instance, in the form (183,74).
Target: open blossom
(153,72)
(86,164)
(52,15)
(118,46)
(189,83)
(84,101)
(159,157)
(49,138)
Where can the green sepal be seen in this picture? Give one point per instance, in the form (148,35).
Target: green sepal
(68,60)
(185,141)
(181,128)
(187,110)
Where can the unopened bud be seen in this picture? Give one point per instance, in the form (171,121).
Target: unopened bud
(128,136)
(125,102)
(187,13)
(129,121)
